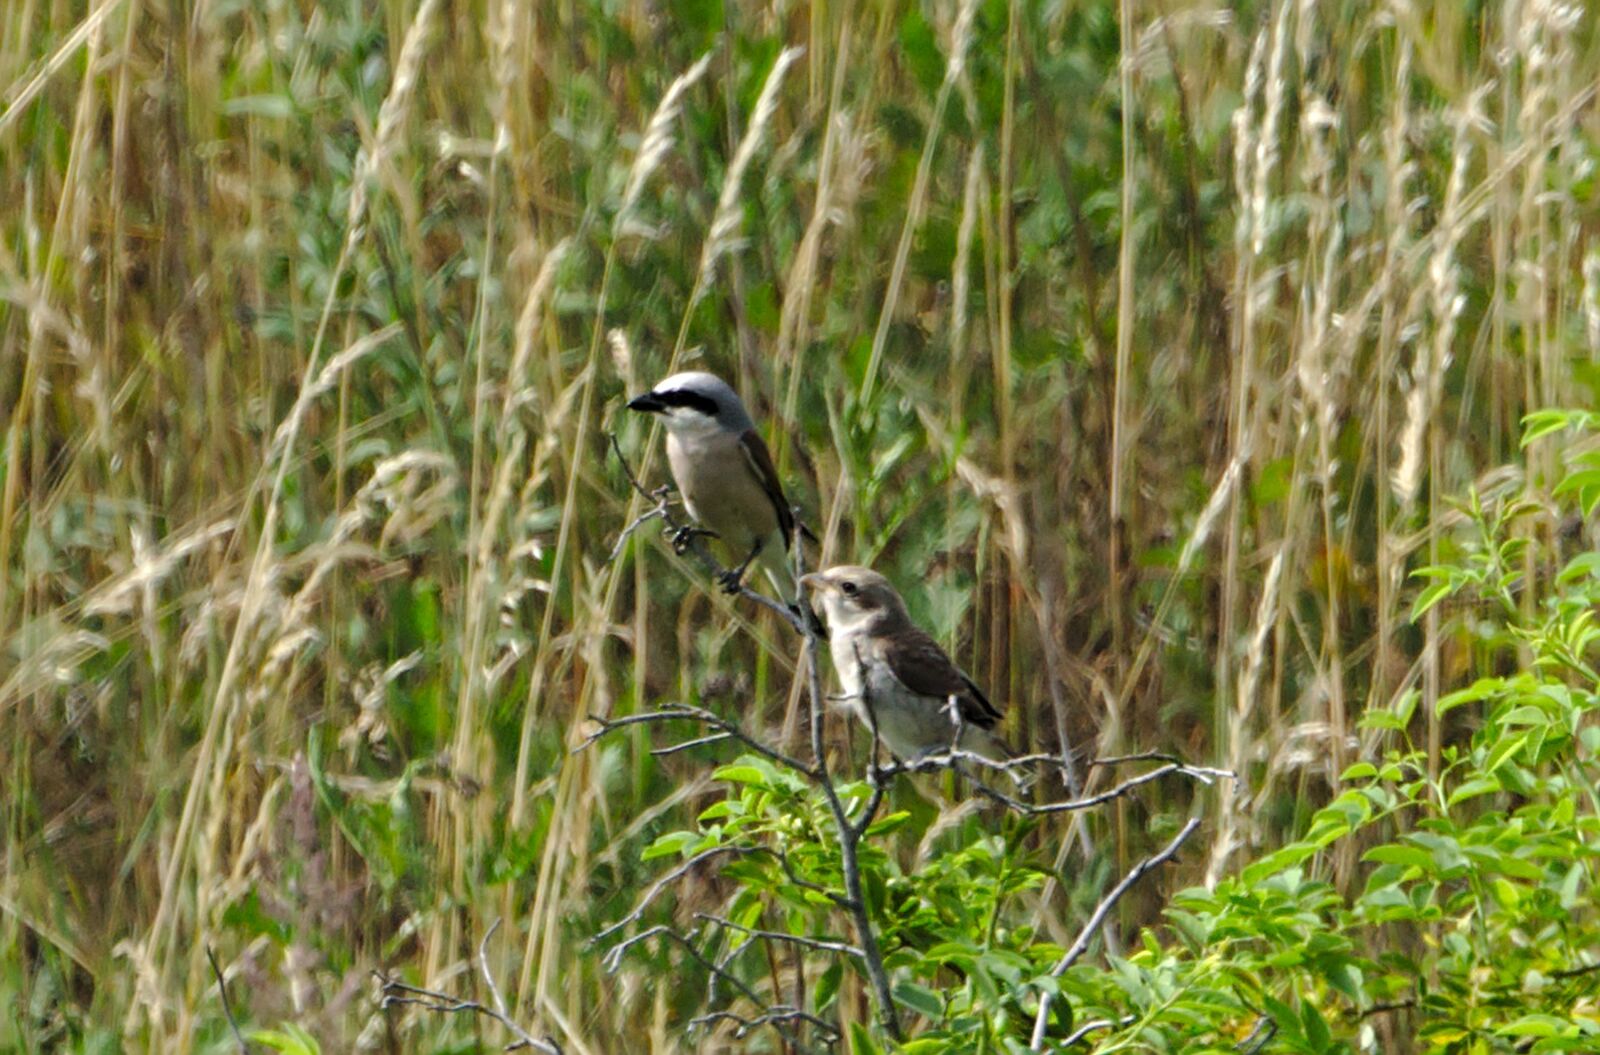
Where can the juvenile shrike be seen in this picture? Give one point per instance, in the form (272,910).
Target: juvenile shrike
(724,471)
(895,677)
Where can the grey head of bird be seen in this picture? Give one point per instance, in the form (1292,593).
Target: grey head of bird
(695,402)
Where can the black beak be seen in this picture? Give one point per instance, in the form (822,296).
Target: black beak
(648,403)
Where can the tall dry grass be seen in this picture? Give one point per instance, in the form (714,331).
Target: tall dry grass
(1141,343)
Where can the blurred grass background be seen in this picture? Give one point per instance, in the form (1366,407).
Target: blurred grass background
(1140,343)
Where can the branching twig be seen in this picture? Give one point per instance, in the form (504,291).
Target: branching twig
(821,944)
(687,745)
(954,758)
(613,959)
(682,712)
(227,1005)
(397,993)
(1090,926)
(1071,805)
(700,858)
(777,1013)
(658,886)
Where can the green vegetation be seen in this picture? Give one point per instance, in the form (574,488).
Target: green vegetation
(1189,366)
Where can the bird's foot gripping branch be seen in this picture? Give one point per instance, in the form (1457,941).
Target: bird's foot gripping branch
(817,882)
(688,540)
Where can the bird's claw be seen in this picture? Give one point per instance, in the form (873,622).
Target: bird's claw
(683,538)
(731,580)
(806,615)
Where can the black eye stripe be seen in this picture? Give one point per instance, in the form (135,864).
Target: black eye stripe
(679,397)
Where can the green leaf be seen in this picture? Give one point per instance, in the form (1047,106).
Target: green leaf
(741,774)
(669,844)
(1359,771)
(1400,854)
(1479,690)
(922,1000)
(1534,1026)
(828,986)
(1583,566)
(1430,597)
(861,1042)
(1275,862)
(1541,423)
(1316,1027)
(889,822)
(1473,788)
(1577,480)
(291,1040)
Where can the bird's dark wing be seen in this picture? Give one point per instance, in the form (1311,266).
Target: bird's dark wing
(760,459)
(922,666)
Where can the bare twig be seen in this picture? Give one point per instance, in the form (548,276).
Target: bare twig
(954,759)
(777,1013)
(820,944)
(613,959)
(1090,926)
(686,745)
(682,712)
(1094,1026)
(227,1005)
(397,993)
(661,884)
(1260,1036)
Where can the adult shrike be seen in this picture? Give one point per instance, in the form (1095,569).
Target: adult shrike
(724,471)
(895,677)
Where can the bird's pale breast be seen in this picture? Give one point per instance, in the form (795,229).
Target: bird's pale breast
(721,491)
(908,723)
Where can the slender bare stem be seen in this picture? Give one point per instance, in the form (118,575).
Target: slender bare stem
(725,730)
(396,993)
(1092,924)
(820,944)
(227,1005)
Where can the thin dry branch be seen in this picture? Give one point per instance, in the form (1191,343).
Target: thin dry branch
(956,758)
(660,885)
(1094,1026)
(397,993)
(227,1005)
(778,1013)
(1092,924)
(682,712)
(820,944)
(777,1016)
